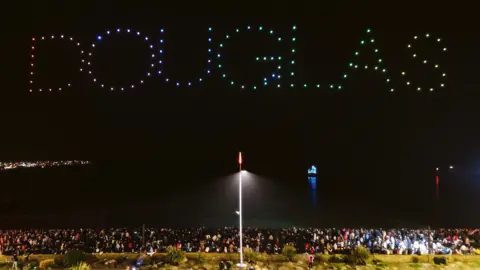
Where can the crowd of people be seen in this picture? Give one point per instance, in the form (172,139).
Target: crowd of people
(225,240)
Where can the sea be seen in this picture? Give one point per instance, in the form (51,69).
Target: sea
(132,193)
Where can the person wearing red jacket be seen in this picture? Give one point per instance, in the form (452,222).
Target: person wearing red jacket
(310,261)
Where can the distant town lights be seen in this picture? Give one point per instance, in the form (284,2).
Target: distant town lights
(40,164)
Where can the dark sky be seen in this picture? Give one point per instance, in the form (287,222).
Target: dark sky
(361,135)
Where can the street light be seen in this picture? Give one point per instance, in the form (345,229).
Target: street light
(240,161)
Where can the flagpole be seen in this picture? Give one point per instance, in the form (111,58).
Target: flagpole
(240,161)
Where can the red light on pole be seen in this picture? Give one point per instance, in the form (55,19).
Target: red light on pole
(240,161)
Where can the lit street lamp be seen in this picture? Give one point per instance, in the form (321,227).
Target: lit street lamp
(240,161)
(450,168)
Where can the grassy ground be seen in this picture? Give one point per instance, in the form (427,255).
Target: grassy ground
(210,261)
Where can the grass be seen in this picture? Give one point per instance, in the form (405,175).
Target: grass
(266,262)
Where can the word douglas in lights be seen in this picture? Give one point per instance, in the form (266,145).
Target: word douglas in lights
(281,76)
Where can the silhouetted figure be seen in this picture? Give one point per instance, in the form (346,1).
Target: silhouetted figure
(310,261)
(15,261)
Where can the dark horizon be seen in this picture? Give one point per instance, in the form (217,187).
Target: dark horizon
(367,142)
(133,193)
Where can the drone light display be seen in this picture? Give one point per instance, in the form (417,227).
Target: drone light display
(277,59)
(189,83)
(40,164)
(120,31)
(272,80)
(417,56)
(34,49)
(378,65)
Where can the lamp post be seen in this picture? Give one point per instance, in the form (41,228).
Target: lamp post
(240,161)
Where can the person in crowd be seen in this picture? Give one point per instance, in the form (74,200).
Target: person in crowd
(15,261)
(27,258)
(226,240)
(310,261)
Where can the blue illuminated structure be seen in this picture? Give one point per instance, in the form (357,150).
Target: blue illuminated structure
(312,181)
(312,177)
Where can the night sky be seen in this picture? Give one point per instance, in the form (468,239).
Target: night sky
(160,150)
